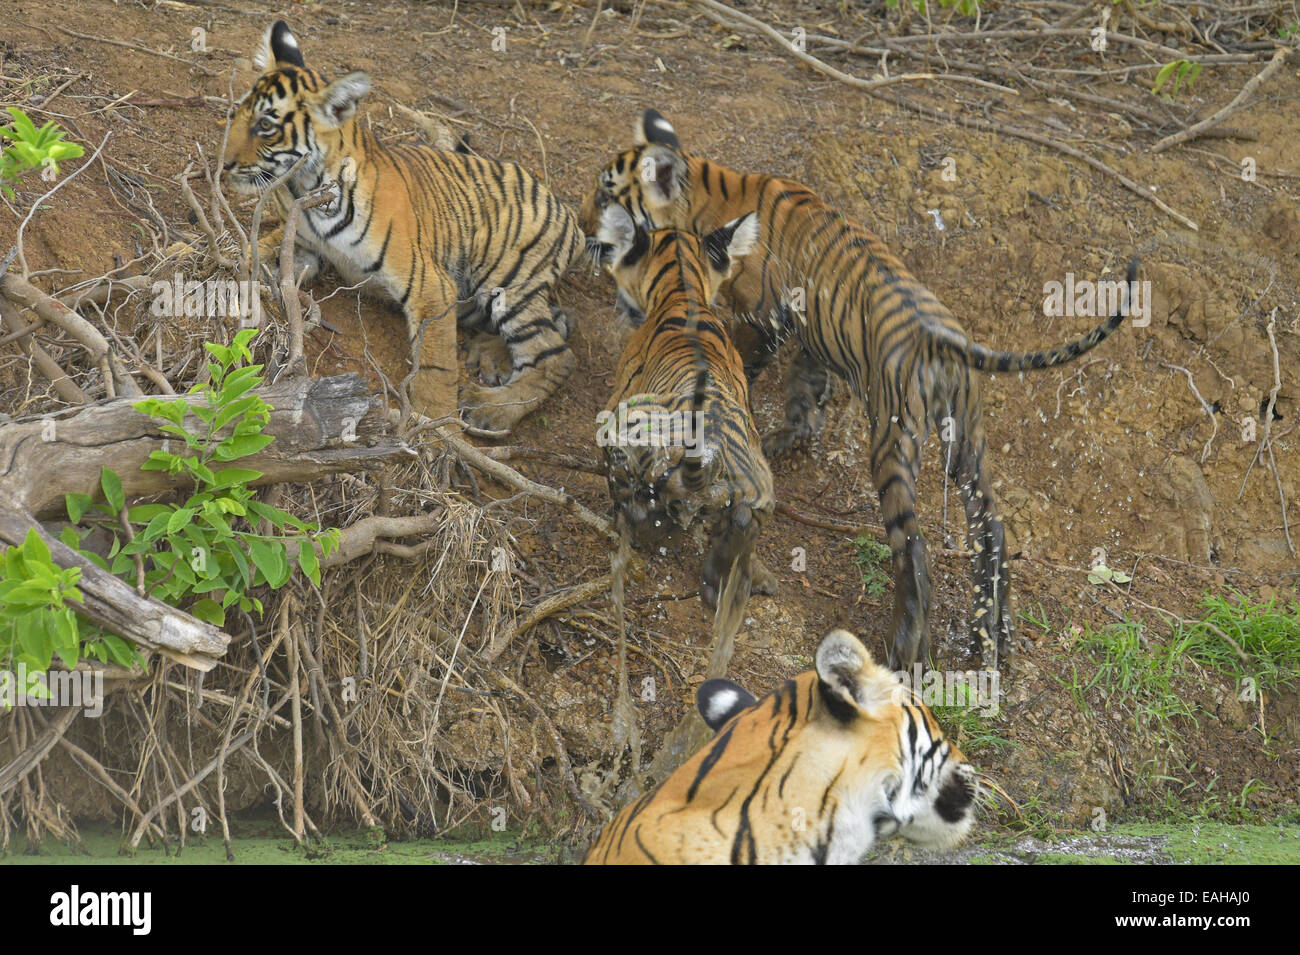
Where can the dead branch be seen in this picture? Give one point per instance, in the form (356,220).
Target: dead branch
(64,386)
(512,478)
(1191,383)
(27,760)
(321,426)
(201,217)
(367,535)
(297,361)
(139,49)
(113,604)
(21,292)
(547,608)
(18,247)
(555,459)
(718,10)
(1237,102)
(435,131)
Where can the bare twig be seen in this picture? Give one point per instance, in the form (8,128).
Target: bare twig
(18,248)
(1191,383)
(1238,101)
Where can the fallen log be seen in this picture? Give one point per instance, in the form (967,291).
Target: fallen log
(321,426)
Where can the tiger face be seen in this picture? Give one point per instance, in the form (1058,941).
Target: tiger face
(817,772)
(291,112)
(640,257)
(647,180)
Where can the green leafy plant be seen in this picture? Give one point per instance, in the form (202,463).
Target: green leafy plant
(1101,574)
(211,546)
(1266,632)
(37,620)
(1181,72)
(967,8)
(870,557)
(31,148)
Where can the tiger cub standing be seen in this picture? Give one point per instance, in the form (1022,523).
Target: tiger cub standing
(445,234)
(855,310)
(817,772)
(691,446)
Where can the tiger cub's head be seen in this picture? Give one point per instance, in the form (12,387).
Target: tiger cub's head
(647,180)
(668,274)
(846,744)
(649,264)
(291,112)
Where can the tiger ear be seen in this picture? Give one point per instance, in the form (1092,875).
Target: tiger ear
(651,127)
(278,46)
(726,246)
(337,103)
(661,169)
(618,235)
(850,681)
(720,700)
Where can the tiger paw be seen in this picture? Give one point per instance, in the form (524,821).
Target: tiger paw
(564,322)
(785,438)
(764,581)
(489,358)
(494,410)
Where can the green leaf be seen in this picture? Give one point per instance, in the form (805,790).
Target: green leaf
(239,446)
(179,519)
(77,505)
(34,548)
(269,559)
(308,561)
(209,611)
(112,486)
(62,627)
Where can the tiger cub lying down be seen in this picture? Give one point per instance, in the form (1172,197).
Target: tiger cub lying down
(817,772)
(677,434)
(444,234)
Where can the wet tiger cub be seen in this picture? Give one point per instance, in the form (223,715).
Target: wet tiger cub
(856,310)
(817,772)
(445,234)
(677,433)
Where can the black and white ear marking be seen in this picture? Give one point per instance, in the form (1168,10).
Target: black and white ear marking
(662,170)
(278,46)
(720,700)
(619,236)
(284,45)
(849,678)
(734,240)
(653,128)
(338,101)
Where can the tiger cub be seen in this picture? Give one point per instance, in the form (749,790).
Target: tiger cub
(819,771)
(692,445)
(856,310)
(445,234)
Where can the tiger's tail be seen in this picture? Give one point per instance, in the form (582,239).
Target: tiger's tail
(988,359)
(698,465)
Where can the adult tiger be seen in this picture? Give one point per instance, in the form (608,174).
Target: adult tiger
(446,234)
(677,433)
(856,309)
(817,772)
